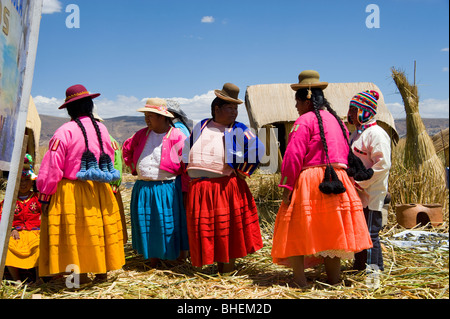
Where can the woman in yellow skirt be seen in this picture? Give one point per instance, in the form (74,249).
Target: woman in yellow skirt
(321,216)
(81,227)
(23,248)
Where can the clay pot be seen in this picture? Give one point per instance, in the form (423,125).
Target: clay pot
(411,215)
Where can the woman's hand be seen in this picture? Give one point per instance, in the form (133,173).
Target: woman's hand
(287,194)
(241,175)
(44,209)
(15,234)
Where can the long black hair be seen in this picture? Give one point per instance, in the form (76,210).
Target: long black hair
(84,107)
(103,170)
(331,183)
(356,169)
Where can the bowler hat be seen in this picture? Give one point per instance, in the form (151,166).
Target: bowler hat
(229,92)
(309,79)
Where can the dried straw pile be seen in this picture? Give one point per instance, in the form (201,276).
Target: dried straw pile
(409,274)
(441,144)
(419,150)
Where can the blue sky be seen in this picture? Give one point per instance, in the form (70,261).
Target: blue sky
(184,49)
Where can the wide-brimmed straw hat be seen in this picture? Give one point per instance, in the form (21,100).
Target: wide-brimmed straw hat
(174,108)
(95,114)
(156,105)
(229,92)
(309,79)
(76,92)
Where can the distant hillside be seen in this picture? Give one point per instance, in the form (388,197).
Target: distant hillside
(120,128)
(124,127)
(433,126)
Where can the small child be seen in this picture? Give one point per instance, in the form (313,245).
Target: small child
(23,249)
(373,146)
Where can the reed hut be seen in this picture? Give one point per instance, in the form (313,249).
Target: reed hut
(441,145)
(33,130)
(420,153)
(271,111)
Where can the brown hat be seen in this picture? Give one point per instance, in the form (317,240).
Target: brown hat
(309,79)
(230,93)
(156,105)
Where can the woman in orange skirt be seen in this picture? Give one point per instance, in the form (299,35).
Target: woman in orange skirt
(321,216)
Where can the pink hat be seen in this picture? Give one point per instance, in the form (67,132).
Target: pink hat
(76,92)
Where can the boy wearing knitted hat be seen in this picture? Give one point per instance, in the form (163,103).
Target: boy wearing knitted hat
(372,145)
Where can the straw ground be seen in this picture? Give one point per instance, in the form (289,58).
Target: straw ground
(409,274)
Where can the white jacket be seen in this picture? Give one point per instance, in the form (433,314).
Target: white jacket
(373,147)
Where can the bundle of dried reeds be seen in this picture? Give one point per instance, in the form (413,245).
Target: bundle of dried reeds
(419,149)
(441,144)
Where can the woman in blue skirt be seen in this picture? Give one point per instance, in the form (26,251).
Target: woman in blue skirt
(158,217)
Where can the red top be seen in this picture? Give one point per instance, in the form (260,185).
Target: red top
(27,215)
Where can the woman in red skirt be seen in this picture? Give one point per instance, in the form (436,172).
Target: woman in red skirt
(222,217)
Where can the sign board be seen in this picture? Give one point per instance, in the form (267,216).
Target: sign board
(19,32)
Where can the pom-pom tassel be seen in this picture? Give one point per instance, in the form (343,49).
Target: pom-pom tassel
(331,183)
(356,168)
(107,167)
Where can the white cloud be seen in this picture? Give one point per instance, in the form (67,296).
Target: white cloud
(445,69)
(397,110)
(196,108)
(49,106)
(429,108)
(444,50)
(208,19)
(51,6)
(432,108)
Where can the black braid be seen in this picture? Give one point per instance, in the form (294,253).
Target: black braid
(356,168)
(77,120)
(97,130)
(88,158)
(90,169)
(331,183)
(322,132)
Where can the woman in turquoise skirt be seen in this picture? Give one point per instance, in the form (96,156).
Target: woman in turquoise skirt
(158,217)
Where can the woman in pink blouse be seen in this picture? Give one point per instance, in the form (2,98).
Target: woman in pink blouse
(81,227)
(321,216)
(158,217)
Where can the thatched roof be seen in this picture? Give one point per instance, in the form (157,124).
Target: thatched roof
(33,129)
(273,103)
(440,141)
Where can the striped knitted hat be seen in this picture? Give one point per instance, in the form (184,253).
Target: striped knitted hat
(367,103)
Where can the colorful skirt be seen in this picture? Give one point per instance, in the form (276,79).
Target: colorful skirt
(83,230)
(319,225)
(158,219)
(223,221)
(23,252)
